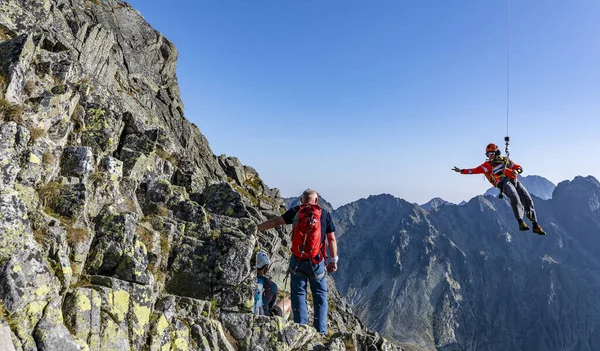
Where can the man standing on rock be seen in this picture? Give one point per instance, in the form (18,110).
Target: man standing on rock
(309,256)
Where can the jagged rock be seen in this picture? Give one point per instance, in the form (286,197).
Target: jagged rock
(26,286)
(183,321)
(233,168)
(72,200)
(77,162)
(223,199)
(54,242)
(266,333)
(51,334)
(32,169)
(8,145)
(82,315)
(6,343)
(117,250)
(113,168)
(101,129)
(215,268)
(16,57)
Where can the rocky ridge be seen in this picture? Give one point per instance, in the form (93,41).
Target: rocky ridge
(120,229)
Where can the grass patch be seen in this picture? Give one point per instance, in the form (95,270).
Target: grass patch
(48,158)
(97,177)
(4,315)
(162,210)
(29,87)
(76,235)
(76,118)
(49,193)
(130,204)
(39,236)
(254,182)
(84,281)
(10,112)
(36,133)
(164,244)
(3,80)
(245,193)
(349,342)
(145,235)
(5,33)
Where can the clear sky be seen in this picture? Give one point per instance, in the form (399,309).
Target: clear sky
(354,98)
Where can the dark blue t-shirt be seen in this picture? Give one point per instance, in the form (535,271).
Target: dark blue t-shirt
(327,225)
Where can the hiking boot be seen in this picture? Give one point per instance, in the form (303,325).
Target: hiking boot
(538,230)
(523,226)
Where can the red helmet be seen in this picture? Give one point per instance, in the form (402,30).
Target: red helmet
(491,148)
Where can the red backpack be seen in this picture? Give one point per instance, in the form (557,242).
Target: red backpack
(307,239)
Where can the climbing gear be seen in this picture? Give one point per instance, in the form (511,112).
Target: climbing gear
(258,302)
(285,280)
(538,229)
(307,237)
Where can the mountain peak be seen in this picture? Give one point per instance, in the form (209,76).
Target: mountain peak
(435,203)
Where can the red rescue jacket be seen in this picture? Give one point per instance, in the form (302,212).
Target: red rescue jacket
(495,170)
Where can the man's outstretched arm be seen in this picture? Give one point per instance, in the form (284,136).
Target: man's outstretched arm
(271,223)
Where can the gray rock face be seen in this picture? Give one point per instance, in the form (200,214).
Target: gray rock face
(120,230)
(464,277)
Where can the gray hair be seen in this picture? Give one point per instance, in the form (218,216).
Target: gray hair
(309,195)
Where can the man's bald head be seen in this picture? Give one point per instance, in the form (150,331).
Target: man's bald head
(309,196)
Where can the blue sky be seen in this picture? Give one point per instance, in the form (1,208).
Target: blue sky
(354,98)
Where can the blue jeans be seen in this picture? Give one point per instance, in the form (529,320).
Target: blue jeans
(301,273)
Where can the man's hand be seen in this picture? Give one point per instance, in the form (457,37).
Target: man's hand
(456,169)
(331,264)
(332,267)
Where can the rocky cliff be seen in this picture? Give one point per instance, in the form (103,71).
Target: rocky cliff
(120,230)
(464,277)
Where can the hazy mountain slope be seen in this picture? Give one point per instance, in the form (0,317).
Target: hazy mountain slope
(464,278)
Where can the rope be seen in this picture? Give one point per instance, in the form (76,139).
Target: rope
(507,63)
(285,280)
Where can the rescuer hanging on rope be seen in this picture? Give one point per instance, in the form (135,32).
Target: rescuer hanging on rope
(502,173)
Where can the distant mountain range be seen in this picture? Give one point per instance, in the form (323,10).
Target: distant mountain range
(464,277)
